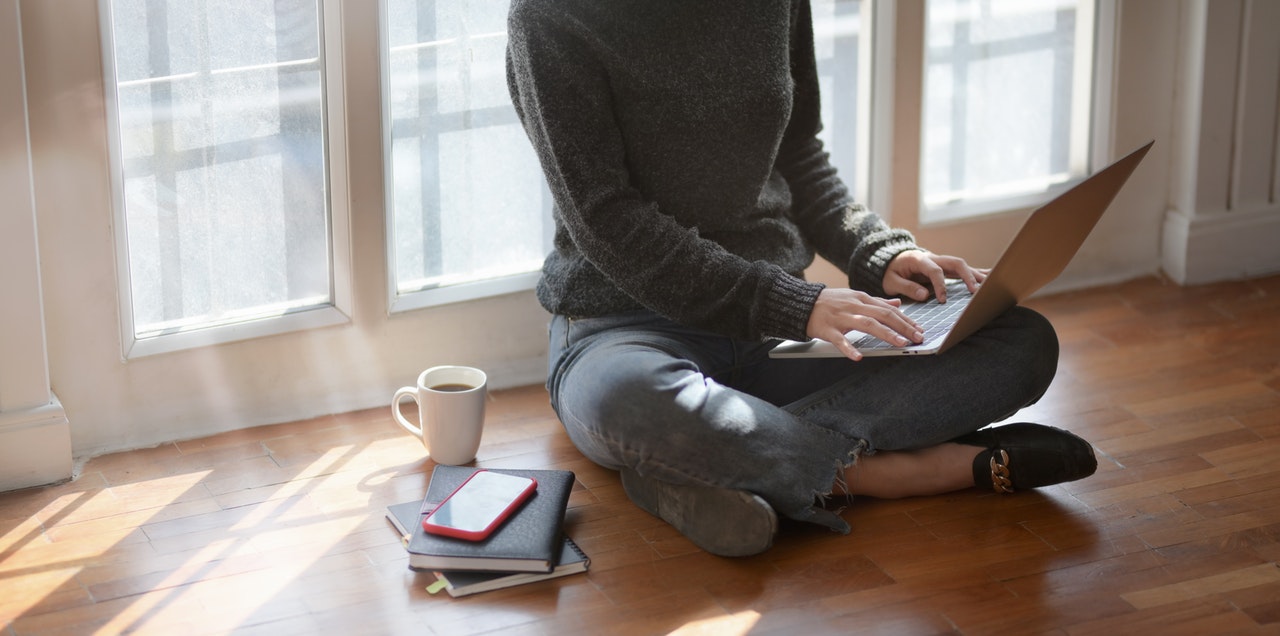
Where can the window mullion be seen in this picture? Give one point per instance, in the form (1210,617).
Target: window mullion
(903,58)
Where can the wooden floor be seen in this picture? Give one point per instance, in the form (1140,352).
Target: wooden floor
(279,530)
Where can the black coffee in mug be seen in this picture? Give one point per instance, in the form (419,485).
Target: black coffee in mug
(451,388)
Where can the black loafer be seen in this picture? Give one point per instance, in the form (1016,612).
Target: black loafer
(1021,456)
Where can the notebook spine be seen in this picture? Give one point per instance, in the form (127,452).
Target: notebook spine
(576,550)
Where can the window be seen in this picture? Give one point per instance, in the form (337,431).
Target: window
(229,154)
(467,210)
(218,127)
(1006,101)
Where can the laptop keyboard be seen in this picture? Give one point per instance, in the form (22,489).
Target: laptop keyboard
(935,319)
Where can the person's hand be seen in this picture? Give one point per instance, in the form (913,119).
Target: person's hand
(914,273)
(839,311)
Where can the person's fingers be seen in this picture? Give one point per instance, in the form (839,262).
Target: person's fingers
(937,279)
(841,311)
(901,285)
(867,325)
(842,343)
(966,274)
(894,328)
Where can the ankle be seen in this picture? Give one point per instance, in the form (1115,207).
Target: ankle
(900,474)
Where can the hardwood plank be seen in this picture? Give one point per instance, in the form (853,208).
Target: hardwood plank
(1183,591)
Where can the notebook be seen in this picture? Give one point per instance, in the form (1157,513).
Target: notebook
(528,541)
(461,583)
(1037,255)
(464,583)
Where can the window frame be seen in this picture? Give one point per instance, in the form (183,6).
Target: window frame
(898,66)
(398,301)
(338,309)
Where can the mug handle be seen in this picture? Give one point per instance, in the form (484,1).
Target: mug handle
(405,391)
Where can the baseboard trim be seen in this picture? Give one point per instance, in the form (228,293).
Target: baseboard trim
(504,375)
(1207,248)
(35,447)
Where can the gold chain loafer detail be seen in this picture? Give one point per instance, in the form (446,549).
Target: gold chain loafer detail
(1000,481)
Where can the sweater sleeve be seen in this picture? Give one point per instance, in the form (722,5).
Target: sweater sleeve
(848,234)
(560,87)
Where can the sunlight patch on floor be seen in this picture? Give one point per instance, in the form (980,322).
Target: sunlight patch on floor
(740,623)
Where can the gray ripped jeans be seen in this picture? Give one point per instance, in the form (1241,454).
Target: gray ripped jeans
(687,406)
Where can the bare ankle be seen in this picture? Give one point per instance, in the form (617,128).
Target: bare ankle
(899,474)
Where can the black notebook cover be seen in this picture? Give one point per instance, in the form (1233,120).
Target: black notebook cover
(529,541)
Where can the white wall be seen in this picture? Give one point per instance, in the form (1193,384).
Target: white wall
(114,404)
(1223,220)
(35,440)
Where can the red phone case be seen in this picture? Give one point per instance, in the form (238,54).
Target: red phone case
(431,525)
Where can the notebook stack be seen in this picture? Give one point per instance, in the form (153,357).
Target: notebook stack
(529,546)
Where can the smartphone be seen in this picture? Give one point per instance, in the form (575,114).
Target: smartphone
(479,505)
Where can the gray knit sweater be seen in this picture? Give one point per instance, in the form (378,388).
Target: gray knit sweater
(678,138)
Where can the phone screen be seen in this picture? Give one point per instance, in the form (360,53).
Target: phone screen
(485,497)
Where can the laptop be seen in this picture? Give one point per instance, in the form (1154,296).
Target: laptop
(1037,255)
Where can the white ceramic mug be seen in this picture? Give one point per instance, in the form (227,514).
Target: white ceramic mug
(450,412)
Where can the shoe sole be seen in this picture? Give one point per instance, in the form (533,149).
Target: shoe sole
(722,521)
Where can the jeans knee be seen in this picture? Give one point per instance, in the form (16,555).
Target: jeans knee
(645,396)
(620,396)
(1038,347)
